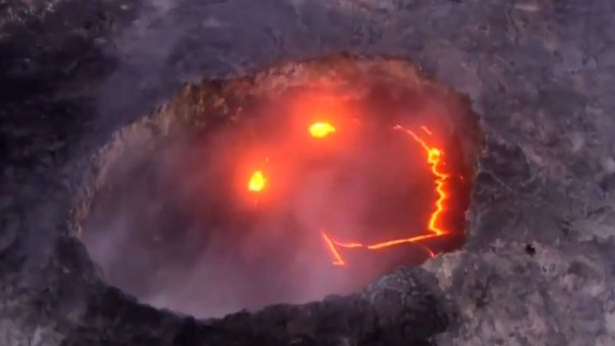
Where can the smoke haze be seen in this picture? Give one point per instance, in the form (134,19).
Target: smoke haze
(182,232)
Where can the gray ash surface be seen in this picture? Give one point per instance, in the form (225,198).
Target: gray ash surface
(537,268)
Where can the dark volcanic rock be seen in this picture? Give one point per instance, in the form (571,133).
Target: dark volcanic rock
(415,311)
(540,73)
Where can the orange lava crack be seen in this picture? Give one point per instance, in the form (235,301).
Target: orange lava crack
(434,159)
(337,258)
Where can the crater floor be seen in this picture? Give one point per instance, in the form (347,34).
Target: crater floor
(171,214)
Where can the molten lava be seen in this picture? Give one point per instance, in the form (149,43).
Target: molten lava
(321,129)
(337,258)
(257,182)
(434,159)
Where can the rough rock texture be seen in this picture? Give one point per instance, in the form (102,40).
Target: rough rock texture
(537,269)
(113,319)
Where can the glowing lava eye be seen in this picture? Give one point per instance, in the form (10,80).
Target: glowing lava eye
(321,129)
(257,182)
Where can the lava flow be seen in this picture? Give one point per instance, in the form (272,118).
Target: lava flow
(258,182)
(434,159)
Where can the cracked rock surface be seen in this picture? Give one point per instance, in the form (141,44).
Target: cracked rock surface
(538,266)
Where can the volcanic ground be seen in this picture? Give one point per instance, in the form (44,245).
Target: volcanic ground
(312,178)
(84,82)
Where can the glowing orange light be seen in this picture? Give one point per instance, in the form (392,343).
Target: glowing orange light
(337,258)
(434,159)
(321,129)
(257,182)
(348,245)
(401,241)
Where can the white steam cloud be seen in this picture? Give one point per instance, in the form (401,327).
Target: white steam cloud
(174,236)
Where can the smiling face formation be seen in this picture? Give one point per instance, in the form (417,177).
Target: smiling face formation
(287,186)
(325,131)
(314,180)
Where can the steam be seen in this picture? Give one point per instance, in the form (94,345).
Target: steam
(180,233)
(176,237)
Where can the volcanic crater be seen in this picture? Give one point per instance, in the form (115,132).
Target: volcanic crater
(303,180)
